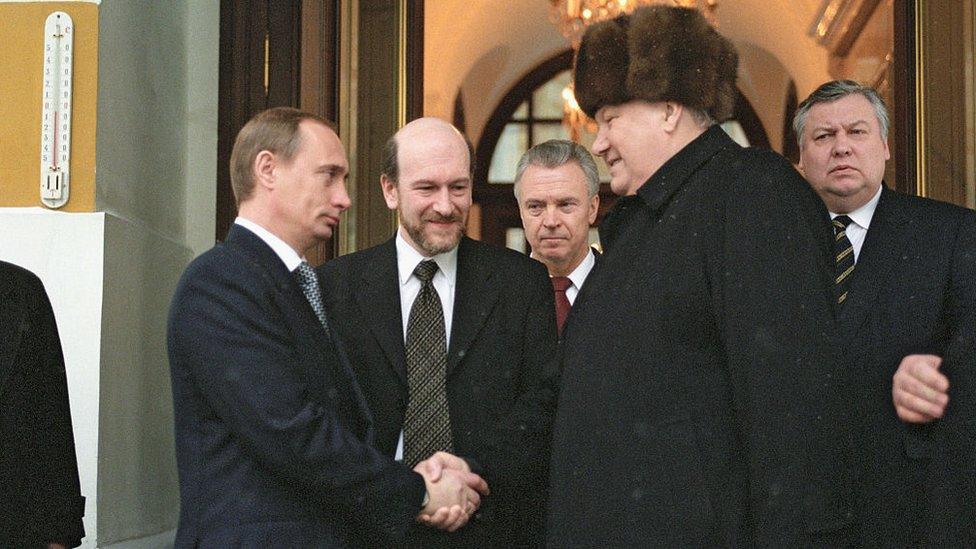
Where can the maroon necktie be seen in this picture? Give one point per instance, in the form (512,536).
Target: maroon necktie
(559,286)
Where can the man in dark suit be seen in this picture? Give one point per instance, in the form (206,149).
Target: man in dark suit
(906,297)
(493,393)
(273,436)
(557,187)
(41,499)
(693,409)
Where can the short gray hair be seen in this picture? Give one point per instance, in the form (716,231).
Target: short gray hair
(839,89)
(557,152)
(702,118)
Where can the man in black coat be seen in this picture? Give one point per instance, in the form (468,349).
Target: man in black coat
(693,409)
(906,301)
(39,490)
(273,436)
(495,384)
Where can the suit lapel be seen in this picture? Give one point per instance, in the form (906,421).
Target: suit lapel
(474,297)
(297,309)
(378,297)
(284,282)
(883,245)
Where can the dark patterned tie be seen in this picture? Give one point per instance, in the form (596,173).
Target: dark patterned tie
(843,258)
(427,425)
(559,286)
(310,287)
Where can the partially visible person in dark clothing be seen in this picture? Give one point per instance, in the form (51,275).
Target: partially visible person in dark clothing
(40,496)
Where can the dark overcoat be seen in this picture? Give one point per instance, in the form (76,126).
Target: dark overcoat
(696,403)
(272,432)
(501,377)
(40,497)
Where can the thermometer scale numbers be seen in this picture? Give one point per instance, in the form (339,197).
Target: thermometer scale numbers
(56,109)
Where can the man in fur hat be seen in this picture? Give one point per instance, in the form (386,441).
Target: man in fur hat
(693,408)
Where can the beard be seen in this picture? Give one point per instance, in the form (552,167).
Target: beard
(433,242)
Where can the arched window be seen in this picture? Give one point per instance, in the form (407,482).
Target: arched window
(535,120)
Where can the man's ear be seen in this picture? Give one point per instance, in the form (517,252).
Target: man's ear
(264,169)
(672,114)
(390,193)
(594,208)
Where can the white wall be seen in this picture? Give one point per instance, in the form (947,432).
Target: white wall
(157,116)
(202,43)
(141,133)
(137,483)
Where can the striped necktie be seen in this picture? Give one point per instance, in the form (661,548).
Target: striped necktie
(843,258)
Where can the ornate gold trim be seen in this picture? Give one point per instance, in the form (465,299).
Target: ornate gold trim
(267,64)
(401,63)
(921,186)
(839,22)
(969,35)
(348,107)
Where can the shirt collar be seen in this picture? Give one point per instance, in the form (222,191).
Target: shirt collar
(578,276)
(862,216)
(408,258)
(287,254)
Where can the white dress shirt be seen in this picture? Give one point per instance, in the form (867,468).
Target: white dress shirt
(444,282)
(579,274)
(287,254)
(857,231)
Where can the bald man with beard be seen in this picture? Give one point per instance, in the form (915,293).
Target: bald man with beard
(491,389)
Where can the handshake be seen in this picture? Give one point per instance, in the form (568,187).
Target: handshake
(453,491)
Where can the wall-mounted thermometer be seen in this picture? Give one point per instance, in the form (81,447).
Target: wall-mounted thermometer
(56,109)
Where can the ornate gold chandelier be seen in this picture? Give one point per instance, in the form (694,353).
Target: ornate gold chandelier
(573,16)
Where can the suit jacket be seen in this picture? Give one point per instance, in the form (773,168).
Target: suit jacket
(500,380)
(914,291)
(694,409)
(272,433)
(39,489)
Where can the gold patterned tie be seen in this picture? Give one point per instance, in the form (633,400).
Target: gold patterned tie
(427,424)
(843,259)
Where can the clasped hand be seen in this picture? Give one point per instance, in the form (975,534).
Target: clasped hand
(454,491)
(919,390)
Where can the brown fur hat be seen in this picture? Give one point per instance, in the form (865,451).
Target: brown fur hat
(657,53)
